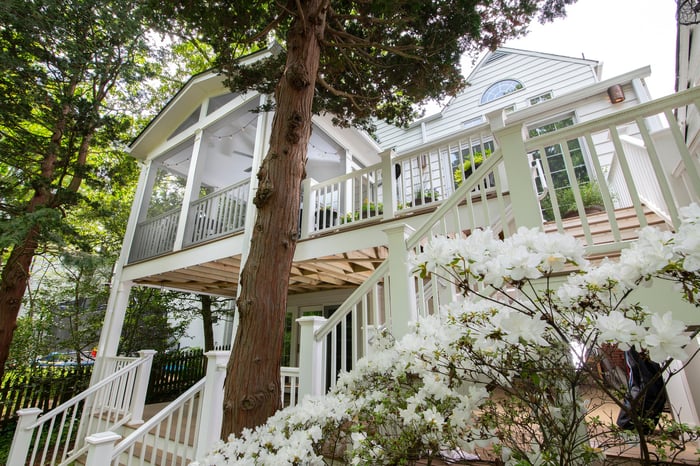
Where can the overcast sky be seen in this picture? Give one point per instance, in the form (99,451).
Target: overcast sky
(623,34)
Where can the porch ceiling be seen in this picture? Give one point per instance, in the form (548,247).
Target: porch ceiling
(220,277)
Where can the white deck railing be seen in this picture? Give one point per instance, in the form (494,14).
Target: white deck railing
(186,428)
(58,437)
(155,236)
(166,438)
(219,213)
(636,179)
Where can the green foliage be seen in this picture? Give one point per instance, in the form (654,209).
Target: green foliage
(65,306)
(590,196)
(467,169)
(378,59)
(368,209)
(147,324)
(426,196)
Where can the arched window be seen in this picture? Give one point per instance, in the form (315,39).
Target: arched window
(500,89)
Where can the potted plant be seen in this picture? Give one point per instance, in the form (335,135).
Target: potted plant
(368,209)
(590,196)
(425,196)
(325,217)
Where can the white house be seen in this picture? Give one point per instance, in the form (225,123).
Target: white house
(531,123)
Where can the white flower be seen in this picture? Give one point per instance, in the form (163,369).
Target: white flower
(615,327)
(517,325)
(665,339)
(433,418)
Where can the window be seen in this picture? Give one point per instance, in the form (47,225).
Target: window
(189,121)
(555,157)
(541,98)
(499,89)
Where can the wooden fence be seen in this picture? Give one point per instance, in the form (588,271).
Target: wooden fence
(43,388)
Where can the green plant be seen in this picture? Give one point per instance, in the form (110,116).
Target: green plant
(590,196)
(467,169)
(368,209)
(426,196)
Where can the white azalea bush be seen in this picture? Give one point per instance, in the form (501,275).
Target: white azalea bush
(505,366)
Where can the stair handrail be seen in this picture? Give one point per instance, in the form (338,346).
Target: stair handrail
(63,408)
(471,183)
(142,431)
(366,286)
(89,391)
(380,272)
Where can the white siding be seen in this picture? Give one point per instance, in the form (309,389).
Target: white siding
(539,73)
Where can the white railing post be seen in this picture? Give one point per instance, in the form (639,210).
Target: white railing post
(23,436)
(311,369)
(143,373)
(212,402)
(389,197)
(308,207)
(402,289)
(523,197)
(100,448)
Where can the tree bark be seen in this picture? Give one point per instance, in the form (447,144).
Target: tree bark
(252,388)
(13,284)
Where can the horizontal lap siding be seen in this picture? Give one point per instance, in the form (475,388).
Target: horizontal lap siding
(537,74)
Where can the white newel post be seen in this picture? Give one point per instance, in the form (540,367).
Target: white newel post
(143,373)
(100,447)
(212,402)
(311,368)
(526,209)
(23,436)
(402,291)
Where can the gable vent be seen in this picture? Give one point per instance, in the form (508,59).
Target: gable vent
(494,56)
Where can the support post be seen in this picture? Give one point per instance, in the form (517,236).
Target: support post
(389,182)
(112,327)
(311,360)
(100,448)
(23,437)
(402,291)
(308,208)
(526,209)
(212,402)
(143,373)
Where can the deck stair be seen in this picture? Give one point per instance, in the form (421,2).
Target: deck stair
(627,221)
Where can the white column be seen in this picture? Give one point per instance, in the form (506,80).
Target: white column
(311,360)
(389,197)
(402,291)
(112,327)
(212,402)
(23,437)
(184,226)
(100,447)
(138,400)
(526,209)
(308,208)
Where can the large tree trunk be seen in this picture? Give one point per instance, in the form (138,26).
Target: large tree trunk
(13,284)
(252,389)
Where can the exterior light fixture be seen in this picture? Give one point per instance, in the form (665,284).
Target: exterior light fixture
(616,94)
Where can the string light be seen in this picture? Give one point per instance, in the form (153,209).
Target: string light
(240,130)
